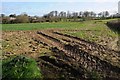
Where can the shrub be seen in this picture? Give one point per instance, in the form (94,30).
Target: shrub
(114,25)
(20,67)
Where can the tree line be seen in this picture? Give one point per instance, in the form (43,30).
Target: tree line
(53,16)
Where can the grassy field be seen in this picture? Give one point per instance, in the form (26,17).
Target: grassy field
(64,25)
(37,26)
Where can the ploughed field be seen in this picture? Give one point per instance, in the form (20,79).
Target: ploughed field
(59,54)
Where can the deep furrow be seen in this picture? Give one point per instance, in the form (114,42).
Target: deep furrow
(53,40)
(91,62)
(89,48)
(41,39)
(64,65)
(82,41)
(94,49)
(85,61)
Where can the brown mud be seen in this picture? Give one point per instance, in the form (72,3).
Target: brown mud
(63,56)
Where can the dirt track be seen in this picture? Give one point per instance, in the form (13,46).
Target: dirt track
(66,56)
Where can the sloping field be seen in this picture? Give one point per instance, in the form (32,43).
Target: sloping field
(61,55)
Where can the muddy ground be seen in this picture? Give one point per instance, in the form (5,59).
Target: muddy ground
(61,55)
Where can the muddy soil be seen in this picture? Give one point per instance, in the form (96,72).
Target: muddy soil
(63,56)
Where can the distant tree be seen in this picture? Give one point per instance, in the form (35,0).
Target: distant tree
(51,14)
(46,16)
(68,14)
(86,14)
(5,20)
(2,15)
(23,18)
(75,16)
(94,15)
(56,13)
(12,15)
(80,14)
(91,14)
(24,14)
(100,14)
(61,14)
(64,14)
(106,13)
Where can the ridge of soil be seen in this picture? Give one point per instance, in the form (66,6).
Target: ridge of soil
(63,56)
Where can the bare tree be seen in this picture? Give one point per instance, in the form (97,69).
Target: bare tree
(106,13)
(2,15)
(56,13)
(100,14)
(86,14)
(80,14)
(69,14)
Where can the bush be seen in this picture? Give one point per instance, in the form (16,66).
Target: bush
(20,67)
(5,20)
(114,25)
(22,19)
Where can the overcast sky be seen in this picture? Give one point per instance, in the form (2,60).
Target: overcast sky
(40,7)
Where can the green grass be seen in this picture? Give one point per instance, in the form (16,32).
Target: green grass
(96,30)
(37,26)
(20,67)
(64,25)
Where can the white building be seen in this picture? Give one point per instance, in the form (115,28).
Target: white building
(119,7)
